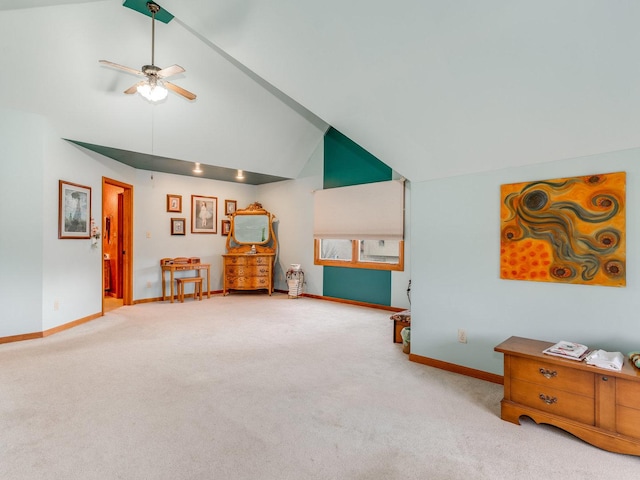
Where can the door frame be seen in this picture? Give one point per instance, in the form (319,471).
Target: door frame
(127,240)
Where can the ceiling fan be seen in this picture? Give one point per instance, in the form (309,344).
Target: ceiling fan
(154,86)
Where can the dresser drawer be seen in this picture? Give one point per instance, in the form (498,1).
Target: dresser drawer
(628,393)
(258,260)
(554,376)
(555,401)
(247,283)
(628,421)
(236,260)
(247,271)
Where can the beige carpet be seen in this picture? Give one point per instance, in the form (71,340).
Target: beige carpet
(253,387)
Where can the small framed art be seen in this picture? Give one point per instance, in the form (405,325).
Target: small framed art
(174,203)
(74,210)
(225,227)
(204,214)
(177,226)
(230,207)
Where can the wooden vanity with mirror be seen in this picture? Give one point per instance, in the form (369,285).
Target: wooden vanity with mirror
(251,250)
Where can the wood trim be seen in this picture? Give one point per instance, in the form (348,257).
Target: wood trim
(69,325)
(127,240)
(19,338)
(452,367)
(188,295)
(51,331)
(354,262)
(351,302)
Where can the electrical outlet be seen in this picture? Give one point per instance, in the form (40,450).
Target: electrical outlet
(462,335)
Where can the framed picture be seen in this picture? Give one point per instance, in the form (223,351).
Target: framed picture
(565,230)
(174,203)
(177,226)
(230,207)
(74,210)
(225,227)
(204,214)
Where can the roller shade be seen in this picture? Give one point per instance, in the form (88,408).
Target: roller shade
(360,212)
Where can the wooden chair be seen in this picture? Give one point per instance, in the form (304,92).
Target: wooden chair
(197,287)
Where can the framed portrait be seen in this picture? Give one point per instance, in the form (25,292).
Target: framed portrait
(174,203)
(225,227)
(204,214)
(74,210)
(177,226)
(230,207)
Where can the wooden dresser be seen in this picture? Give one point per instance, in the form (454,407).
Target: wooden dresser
(601,407)
(245,271)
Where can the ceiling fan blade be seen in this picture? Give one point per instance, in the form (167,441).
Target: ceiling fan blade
(168,71)
(133,88)
(121,67)
(181,91)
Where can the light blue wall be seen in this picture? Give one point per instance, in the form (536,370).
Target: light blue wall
(455,271)
(21,207)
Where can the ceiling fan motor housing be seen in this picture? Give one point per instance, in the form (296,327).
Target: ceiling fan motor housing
(150,70)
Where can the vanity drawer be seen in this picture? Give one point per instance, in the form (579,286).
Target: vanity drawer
(553,400)
(554,376)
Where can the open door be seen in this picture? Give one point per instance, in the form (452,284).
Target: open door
(117,244)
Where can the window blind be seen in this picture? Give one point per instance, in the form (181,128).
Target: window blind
(360,212)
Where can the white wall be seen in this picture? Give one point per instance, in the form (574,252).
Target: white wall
(47,282)
(456,284)
(152,234)
(292,203)
(21,201)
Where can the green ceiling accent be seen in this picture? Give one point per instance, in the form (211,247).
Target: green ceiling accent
(154,163)
(141,6)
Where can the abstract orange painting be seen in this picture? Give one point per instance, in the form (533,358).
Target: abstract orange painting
(567,230)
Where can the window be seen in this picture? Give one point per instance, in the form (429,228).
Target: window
(372,254)
(360,226)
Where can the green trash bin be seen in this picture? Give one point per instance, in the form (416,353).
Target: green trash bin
(405,333)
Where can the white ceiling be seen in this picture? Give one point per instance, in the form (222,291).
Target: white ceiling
(433,88)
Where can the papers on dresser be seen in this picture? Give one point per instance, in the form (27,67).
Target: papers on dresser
(607,360)
(569,350)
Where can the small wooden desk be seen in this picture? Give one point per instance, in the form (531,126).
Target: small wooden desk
(179,267)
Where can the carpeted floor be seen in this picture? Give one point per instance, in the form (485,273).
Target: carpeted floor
(255,387)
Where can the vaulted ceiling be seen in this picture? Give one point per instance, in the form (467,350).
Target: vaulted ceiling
(431,87)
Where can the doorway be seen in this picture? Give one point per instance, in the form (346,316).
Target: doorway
(117,244)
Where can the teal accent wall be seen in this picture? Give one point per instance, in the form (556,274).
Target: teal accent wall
(347,163)
(369,286)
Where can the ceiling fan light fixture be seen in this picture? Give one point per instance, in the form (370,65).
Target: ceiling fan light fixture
(153,93)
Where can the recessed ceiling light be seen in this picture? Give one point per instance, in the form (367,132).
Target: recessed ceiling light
(197,169)
(240,175)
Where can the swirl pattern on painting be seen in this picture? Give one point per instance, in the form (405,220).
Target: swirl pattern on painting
(569,230)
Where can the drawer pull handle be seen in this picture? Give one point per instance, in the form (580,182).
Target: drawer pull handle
(548,373)
(547,399)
